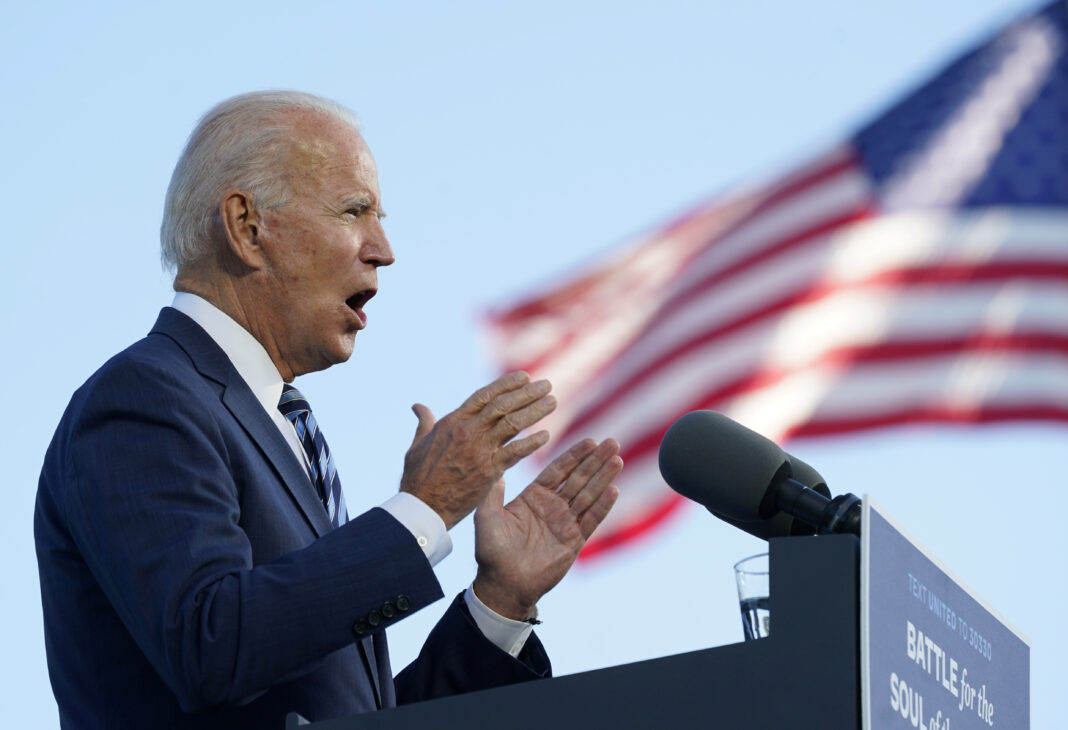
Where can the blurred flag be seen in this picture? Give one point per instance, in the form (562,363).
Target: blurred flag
(918,272)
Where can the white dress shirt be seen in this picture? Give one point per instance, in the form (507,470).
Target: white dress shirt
(255,367)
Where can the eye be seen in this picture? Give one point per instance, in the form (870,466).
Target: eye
(357,212)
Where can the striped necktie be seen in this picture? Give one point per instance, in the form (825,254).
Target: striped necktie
(295,408)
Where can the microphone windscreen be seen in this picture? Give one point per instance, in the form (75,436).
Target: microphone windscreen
(783,524)
(802,472)
(721,464)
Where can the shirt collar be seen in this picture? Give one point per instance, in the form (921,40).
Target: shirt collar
(249,358)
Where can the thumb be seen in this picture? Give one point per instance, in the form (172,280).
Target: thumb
(493,501)
(426,421)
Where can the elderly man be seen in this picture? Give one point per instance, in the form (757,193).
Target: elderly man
(198,565)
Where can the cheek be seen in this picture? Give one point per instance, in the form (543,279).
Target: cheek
(309,263)
(304,248)
(292,241)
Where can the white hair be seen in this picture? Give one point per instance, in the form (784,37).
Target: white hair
(241,143)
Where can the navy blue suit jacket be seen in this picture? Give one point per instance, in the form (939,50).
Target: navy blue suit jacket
(189,573)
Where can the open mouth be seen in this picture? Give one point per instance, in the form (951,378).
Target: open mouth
(357,301)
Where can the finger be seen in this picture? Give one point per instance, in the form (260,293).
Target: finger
(581,475)
(596,486)
(556,472)
(424,424)
(598,511)
(517,450)
(514,400)
(481,397)
(512,423)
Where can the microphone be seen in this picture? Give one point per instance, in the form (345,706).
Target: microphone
(748,481)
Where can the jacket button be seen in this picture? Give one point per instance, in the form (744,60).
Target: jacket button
(387,610)
(403,604)
(374,619)
(360,628)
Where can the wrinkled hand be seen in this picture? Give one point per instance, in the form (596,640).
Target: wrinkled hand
(525,548)
(453,463)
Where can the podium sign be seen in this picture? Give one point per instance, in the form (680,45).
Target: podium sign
(933,655)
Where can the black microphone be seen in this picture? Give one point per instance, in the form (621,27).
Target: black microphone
(748,481)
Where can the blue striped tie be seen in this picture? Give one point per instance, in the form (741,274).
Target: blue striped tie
(295,408)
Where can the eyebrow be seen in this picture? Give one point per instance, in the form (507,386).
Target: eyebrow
(364,202)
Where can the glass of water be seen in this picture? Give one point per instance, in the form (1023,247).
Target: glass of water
(751,575)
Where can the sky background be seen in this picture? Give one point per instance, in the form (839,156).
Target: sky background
(515,142)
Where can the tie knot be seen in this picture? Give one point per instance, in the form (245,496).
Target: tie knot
(292,401)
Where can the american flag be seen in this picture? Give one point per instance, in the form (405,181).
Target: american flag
(918,272)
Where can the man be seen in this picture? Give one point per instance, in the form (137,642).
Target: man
(197,565)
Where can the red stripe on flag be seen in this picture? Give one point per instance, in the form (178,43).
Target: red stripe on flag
(1005,270)
(982,414)
(567,339)
(784,191)
(639,448)
(796,240)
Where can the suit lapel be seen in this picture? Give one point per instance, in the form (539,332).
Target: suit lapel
(249,413)
(212,362)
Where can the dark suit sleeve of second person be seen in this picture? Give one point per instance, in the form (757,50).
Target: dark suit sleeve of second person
(458,658)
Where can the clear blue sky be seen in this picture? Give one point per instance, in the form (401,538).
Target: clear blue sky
(514,143)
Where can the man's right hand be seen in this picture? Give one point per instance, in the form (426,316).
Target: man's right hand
(453,463)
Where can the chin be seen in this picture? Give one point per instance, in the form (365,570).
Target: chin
(344,351)
(326,358)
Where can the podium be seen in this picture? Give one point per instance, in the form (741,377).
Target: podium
(806,674)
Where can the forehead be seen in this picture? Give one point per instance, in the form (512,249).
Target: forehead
(328,152)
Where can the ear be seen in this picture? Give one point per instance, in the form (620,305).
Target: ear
(240,223)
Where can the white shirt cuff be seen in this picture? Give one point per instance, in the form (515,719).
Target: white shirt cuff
(505,633)
(423,522)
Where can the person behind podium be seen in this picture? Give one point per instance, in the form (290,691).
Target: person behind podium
(198,565)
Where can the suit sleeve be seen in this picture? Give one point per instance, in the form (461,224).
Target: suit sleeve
(155,507)
(457,658)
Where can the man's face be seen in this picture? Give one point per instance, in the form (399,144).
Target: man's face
(322,250)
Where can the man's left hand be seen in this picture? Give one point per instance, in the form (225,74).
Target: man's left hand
(526,547)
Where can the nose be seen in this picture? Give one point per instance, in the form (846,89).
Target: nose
(375,249)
